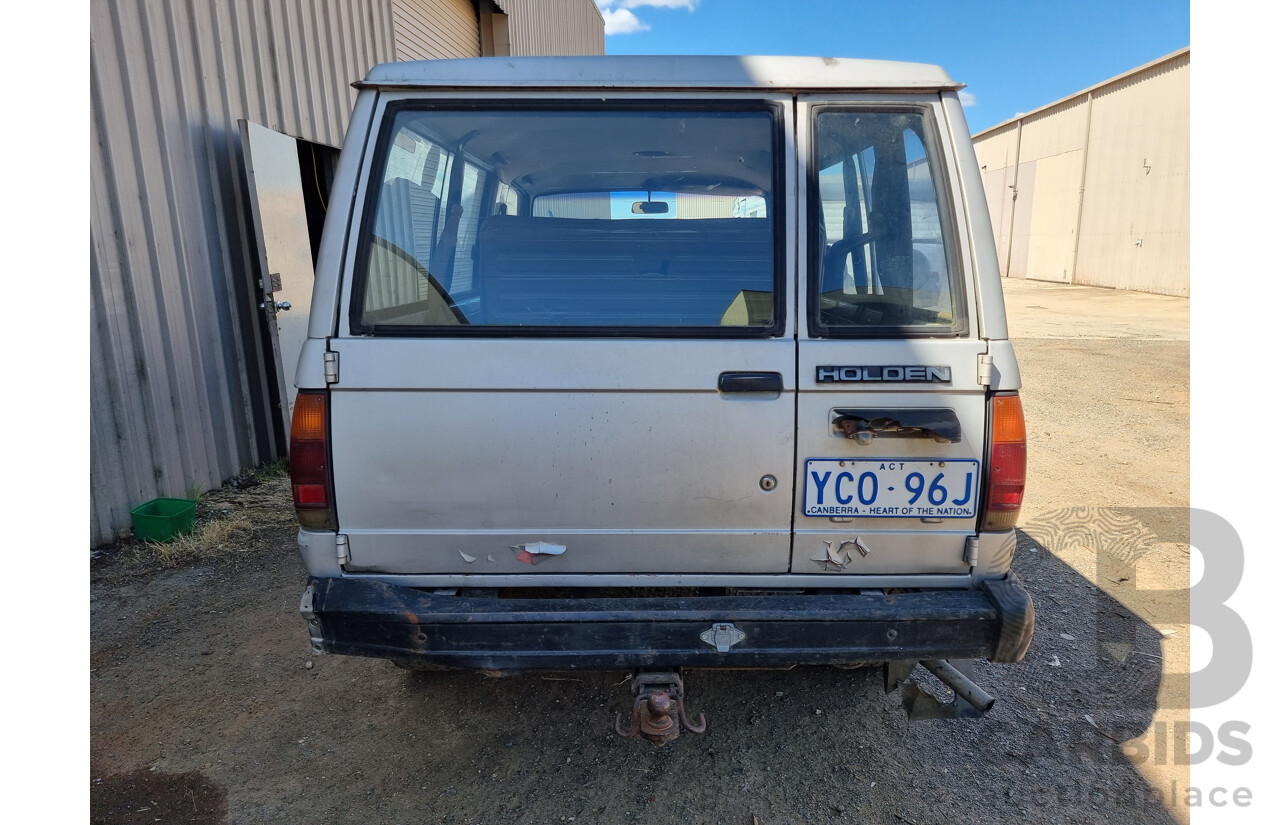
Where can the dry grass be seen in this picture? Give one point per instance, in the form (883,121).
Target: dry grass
(213,538)
(250,517)
(229,521)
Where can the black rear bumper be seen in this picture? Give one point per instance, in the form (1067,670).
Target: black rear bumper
(372,618)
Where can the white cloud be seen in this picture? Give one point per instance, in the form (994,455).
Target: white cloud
(967,98)
(659,4)
(621,21)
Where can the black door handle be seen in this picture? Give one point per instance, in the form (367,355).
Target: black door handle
(762,382)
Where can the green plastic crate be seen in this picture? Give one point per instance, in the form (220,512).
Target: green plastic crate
(162,519)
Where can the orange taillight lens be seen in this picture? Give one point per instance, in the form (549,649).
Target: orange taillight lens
(1007,423)
(310,414)
(309,460)
(1006,463)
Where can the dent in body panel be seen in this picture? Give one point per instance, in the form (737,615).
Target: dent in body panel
(599,553)
(906,552)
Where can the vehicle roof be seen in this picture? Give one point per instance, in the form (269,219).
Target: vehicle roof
(662,72)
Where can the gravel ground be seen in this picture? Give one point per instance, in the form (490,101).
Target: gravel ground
(206,706)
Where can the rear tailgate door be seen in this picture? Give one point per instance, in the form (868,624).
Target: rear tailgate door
(586,382)
(891,417)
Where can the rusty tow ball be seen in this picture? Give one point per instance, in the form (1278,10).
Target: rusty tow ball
(658,714)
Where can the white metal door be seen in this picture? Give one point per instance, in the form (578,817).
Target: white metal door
(284,249)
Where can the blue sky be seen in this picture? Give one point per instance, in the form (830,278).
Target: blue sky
(1014,56)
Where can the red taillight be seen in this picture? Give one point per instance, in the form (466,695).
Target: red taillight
(1006,463)
(309,460)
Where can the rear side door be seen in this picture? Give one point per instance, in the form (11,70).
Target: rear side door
(568,339)
(891,417)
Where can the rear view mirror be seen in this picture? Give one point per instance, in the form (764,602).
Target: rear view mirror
(650,208)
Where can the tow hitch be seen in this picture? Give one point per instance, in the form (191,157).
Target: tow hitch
(658,713)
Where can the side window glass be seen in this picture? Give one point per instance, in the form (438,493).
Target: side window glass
(426,220)
(930,285)
(508,200)
(472,203)
(880,250)
(407,224)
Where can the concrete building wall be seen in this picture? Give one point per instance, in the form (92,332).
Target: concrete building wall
(1071,196)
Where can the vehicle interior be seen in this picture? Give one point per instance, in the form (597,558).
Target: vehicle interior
(646,218)
(880,260)
(579,218)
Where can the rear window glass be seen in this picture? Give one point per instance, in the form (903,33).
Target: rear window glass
(879,258)
(627,219)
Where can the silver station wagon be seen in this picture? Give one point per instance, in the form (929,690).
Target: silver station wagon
(661,363)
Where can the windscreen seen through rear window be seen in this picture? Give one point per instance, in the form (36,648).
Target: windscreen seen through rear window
(581,218)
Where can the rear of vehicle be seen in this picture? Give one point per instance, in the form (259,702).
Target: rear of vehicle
(639,362)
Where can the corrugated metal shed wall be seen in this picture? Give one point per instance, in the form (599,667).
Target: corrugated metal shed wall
(705,206)
(1136,225)
(1133,224)
(177,391)
(554,27)
(175,399)
(443,28)
(997,158)
(1049,181)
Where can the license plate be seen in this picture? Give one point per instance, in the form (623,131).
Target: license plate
(888,488)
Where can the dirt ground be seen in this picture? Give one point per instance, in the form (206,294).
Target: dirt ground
(206,706)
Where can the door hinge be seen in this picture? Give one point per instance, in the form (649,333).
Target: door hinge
(344,550)
(331,367)
(986,364)
(970,551)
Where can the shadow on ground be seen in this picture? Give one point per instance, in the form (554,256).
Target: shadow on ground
(203,674)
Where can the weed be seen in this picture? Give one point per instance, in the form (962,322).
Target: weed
(276,469)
